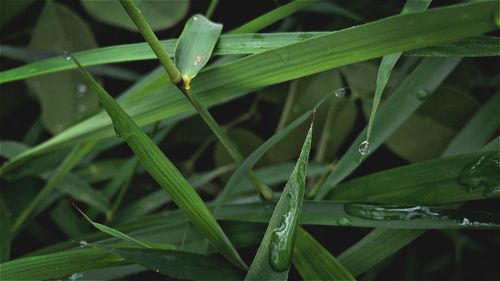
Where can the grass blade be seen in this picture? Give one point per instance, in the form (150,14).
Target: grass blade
(274,255)
(58,265)
(66,166)
(478,130)
(310,56)
(272,17)
(245,44)
(182,265)
(387,64)
(373,248)
(118,234)
(195,46)
(427,76)
(314,262)
(165,173)
(429,182)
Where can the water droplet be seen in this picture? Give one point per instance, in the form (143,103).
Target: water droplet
(340,92)
(282,237)
(67,55)
(423,94)
(157,270)
(344,222)
(364,148)
(83,243)
(465,222)
(81,108)
(391,212)
(195,18)
(75,276)
(81,88)
(482,173)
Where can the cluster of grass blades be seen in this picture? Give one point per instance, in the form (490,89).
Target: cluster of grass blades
(264,211)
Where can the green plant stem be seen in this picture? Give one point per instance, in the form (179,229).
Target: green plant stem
(146,31)
(312,192)
(69,162)
(264,190)
(211,8)
(292,92)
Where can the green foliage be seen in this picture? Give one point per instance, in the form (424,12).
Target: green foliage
(405,140)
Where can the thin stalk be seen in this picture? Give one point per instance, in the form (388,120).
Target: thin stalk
(211,8)
(312,192)
(292,92)
(265,191)
(119,198)
(66,166)
(146,31)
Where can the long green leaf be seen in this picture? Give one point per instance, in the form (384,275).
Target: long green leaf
(314,262)
(165,173)
(274,255)
(58,265)
(182,265)
(373,248)
(427,76)
(69,162)
(118,234)
(245,44)
(478,130)
(218,84)
(387,64)
(437,181)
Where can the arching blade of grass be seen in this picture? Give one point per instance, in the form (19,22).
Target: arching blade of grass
(374,247)
(182,265)
(387,64)
(58,265)
(272,17)
(31,55)
(5,232)
(427,76)
(165,173)
(438,181)
(69,162)
(169,262)
(368,215)
(274,255)
(335,49)
(118,234)
(244,44)
(314,262)
(478,130)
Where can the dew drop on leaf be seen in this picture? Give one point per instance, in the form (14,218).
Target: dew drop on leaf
(83,243)
(482,173)
(340,92)
(423,94)
(364,148)
(67,55)
(344,222)
(81,88)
